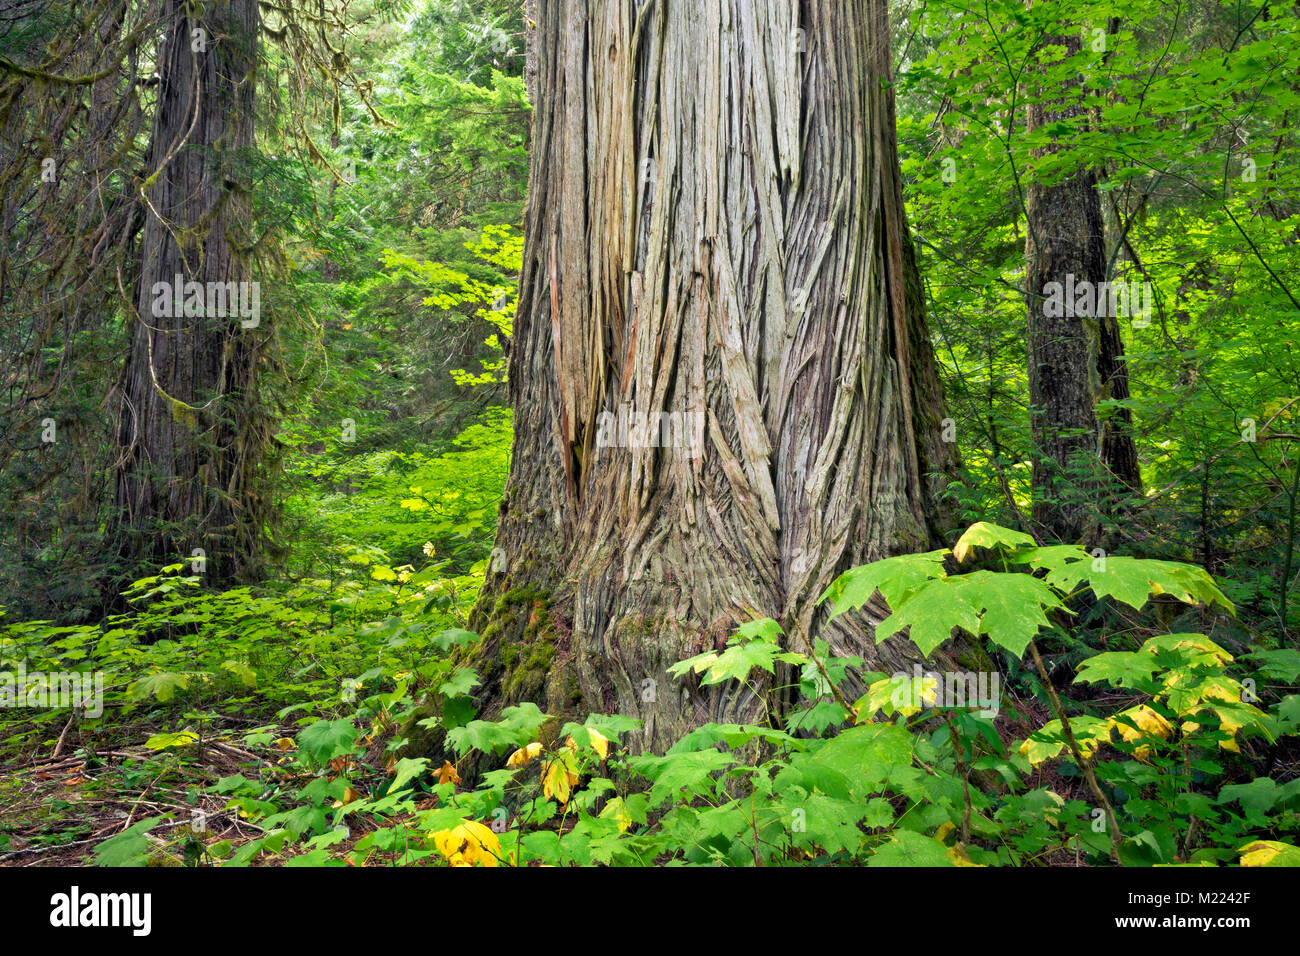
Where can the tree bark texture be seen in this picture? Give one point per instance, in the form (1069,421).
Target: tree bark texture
(1075,362)
(191,433)
(715,231)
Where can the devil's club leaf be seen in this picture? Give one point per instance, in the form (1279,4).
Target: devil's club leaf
(932,612)
(1011,606)
(894,578)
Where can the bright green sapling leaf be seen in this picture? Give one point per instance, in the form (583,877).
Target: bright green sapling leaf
(327,739)
(1118,668)
(131,847)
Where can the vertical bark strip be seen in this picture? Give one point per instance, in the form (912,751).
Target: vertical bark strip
(715,230)
(1074,361)
(192,437)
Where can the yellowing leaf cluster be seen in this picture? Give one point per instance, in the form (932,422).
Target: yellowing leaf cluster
(469,844)
(560,776)
(894,696)
(560,773)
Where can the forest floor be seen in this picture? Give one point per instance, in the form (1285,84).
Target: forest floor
(57,809)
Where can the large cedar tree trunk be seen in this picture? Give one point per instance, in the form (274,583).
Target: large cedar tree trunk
(192,435)
(1074,362)
(715,230)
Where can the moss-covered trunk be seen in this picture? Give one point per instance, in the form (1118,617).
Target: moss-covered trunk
(192,434)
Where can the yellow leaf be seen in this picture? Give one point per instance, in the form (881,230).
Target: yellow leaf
(616,809)
(891,695)
(1186,691)
(1089,733)
(559,777)
(982,534)
(1149,724)
(959,857)
(1175,642)
(284,743)
(447,773)
(1222,696)
(524,756)
(350,794)
(469,844)
(1269,853)
(599,743)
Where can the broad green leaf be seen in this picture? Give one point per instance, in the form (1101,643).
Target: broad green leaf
(755,645)
(518,726)
(1011,606)
(932,611)
(765,628)
(1259,796)
(460,683)
(408,769)
(131,847)
(327,739)
(894,578)
(160,686)
(864,755)
(908,848)
(164,741)
(734,736)
(240,669)
(690,774)
(453,637)
(827,822)
(1280,665)
(1053,557)
(1117,668)
(1134,580)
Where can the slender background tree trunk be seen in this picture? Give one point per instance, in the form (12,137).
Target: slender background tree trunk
(715,231)
(1074,361)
